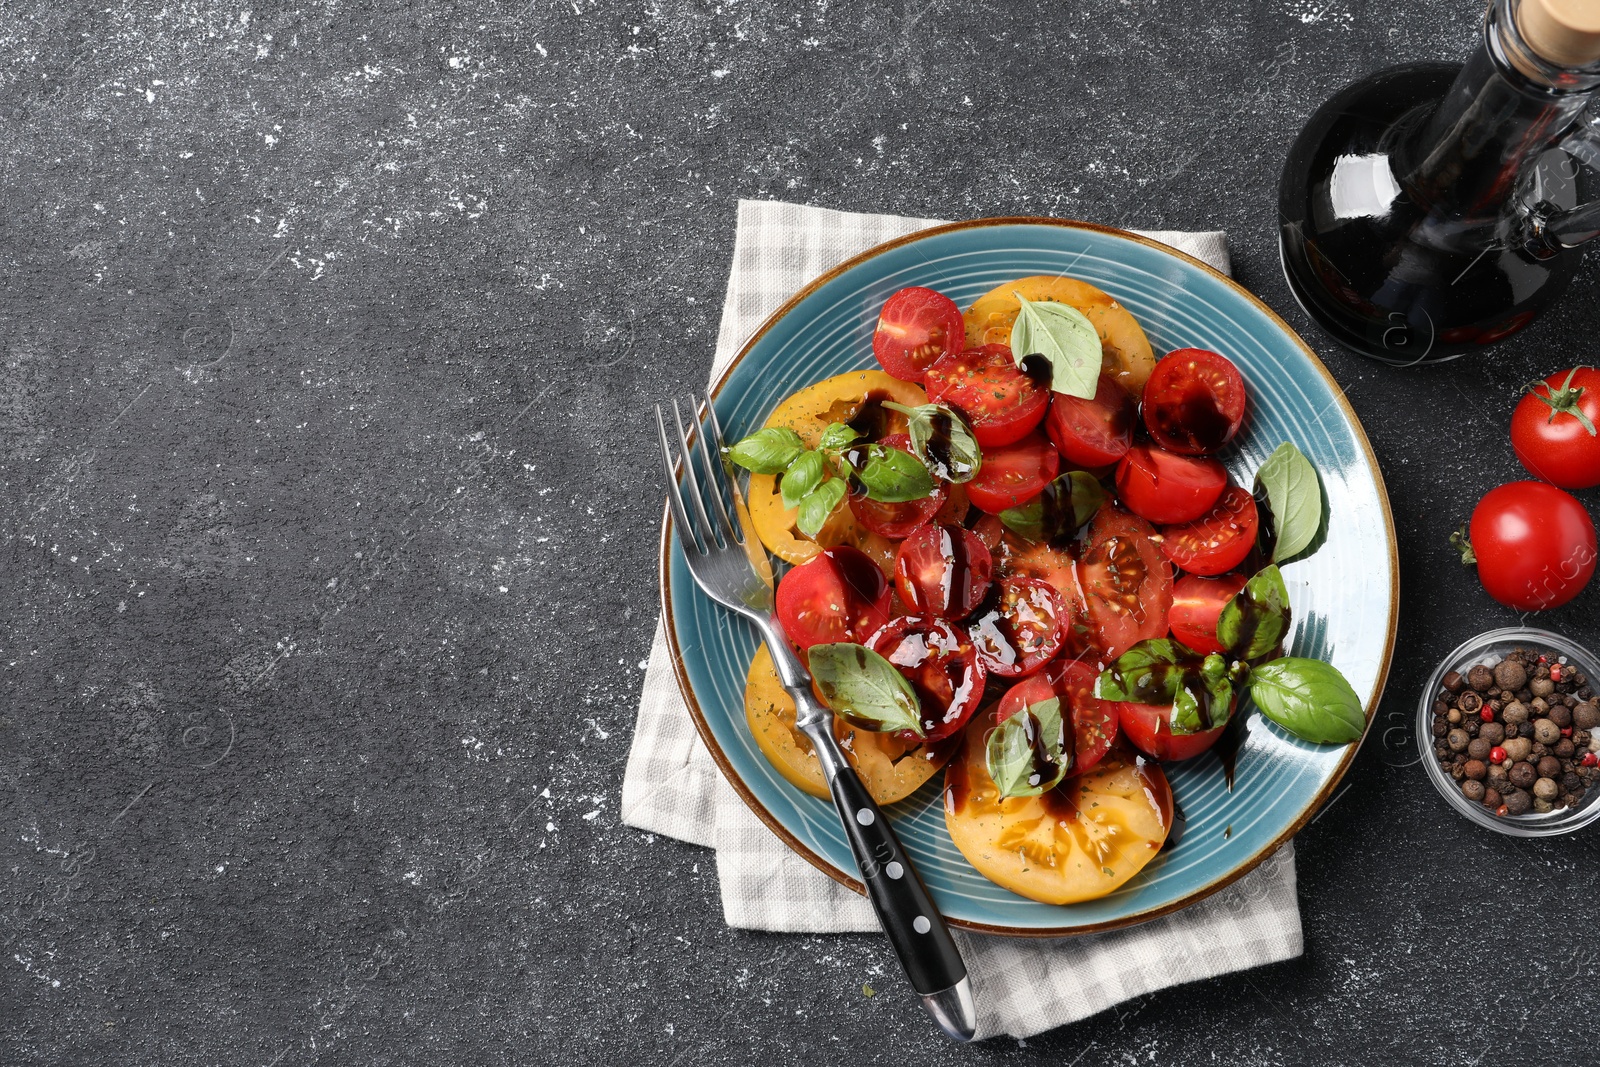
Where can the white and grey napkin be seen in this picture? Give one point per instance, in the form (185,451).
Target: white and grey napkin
(672,787)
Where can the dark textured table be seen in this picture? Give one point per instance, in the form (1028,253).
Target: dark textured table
(330,334)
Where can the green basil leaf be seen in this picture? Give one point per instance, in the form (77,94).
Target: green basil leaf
(890,475)
(1310,699)
(1294,496)
(941,438)
(817,505)
(803,475)
(1256,620)
(1067,340)
(1147,673)
(865,688)
(767,451)
(1205,700)
(1027,753)
(837,435)
(1060,511)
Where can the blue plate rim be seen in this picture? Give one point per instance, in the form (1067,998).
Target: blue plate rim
(1245,865)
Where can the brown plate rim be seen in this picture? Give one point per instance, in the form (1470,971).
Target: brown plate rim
(1243,868)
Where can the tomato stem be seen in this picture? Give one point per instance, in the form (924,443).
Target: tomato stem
(1563,400)
(1463,544)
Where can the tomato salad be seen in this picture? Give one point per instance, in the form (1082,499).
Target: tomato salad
(1017,557)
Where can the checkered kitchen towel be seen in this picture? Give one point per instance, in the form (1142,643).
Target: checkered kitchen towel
(672,787)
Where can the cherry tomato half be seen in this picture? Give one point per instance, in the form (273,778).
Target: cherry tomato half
(942,666)
(1548,436)
(1000,403)
(837,595)
(1534,544)
(1013,474)
(897,520)
(942,571)
(1194,401)
(1165,487)
(1020,628)
(1149,727)
(1049,563)
(1218,541)
(1093,433)
(916,327)
(1094,721)
(1196,603)
(1126,582)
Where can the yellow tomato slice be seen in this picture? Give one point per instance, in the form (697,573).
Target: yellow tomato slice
(808,413)
(1080,841)
(1126,350)
(891,769)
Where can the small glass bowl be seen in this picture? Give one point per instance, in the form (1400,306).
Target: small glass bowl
(1491,648)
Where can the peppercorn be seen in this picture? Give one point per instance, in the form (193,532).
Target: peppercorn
(1491,798)
(1471,725)
(1492,732)
(1590,759)
(1546,732)
(1586,716)
(1440,708)
(1514,713)
(1541,687)
(1539,706)
(1457,740)
(1479,748)
(1453,681)
(1545,789)
(1509,674)
(1519,802)
(1560,714)
(1497,773)
(1473,790)
(1469,702)
(1440,727)
(1518,748)
(1543,806)
(1454,715)
(1564,748)
(1523,695)
(1570,782)
(1549,767)
(1523,774)
(1480,678)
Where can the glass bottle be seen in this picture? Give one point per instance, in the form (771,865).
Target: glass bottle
(1432,209)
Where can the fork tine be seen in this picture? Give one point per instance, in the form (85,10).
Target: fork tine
(686,532)
(706,529)
(710,441)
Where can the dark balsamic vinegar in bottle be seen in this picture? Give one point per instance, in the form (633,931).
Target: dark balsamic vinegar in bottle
(1433,209)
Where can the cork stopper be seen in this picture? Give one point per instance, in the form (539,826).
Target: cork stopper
(1563,32)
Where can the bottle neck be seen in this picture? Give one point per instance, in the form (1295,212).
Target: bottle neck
(1506,108)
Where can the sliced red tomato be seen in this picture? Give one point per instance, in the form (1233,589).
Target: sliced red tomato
(1020,628)
(1094,721)
(837,595)
(1000,403)
(1165,487)
(1219,540)
(943,571)
(1126,582)
(1049,563)
(916,327)
(1149,727)
(1196,603)
(1013,474)
(941,664)
(1194,401)
(1096,432)
(897,520)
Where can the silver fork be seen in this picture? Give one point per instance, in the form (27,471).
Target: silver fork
(732,567)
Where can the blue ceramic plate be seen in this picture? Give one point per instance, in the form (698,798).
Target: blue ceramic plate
(1344,595)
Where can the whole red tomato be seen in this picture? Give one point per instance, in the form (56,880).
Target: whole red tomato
(1533,543)
(1555,430)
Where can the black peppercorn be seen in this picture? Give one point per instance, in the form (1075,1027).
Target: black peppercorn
(1440,727)
(1570,782)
